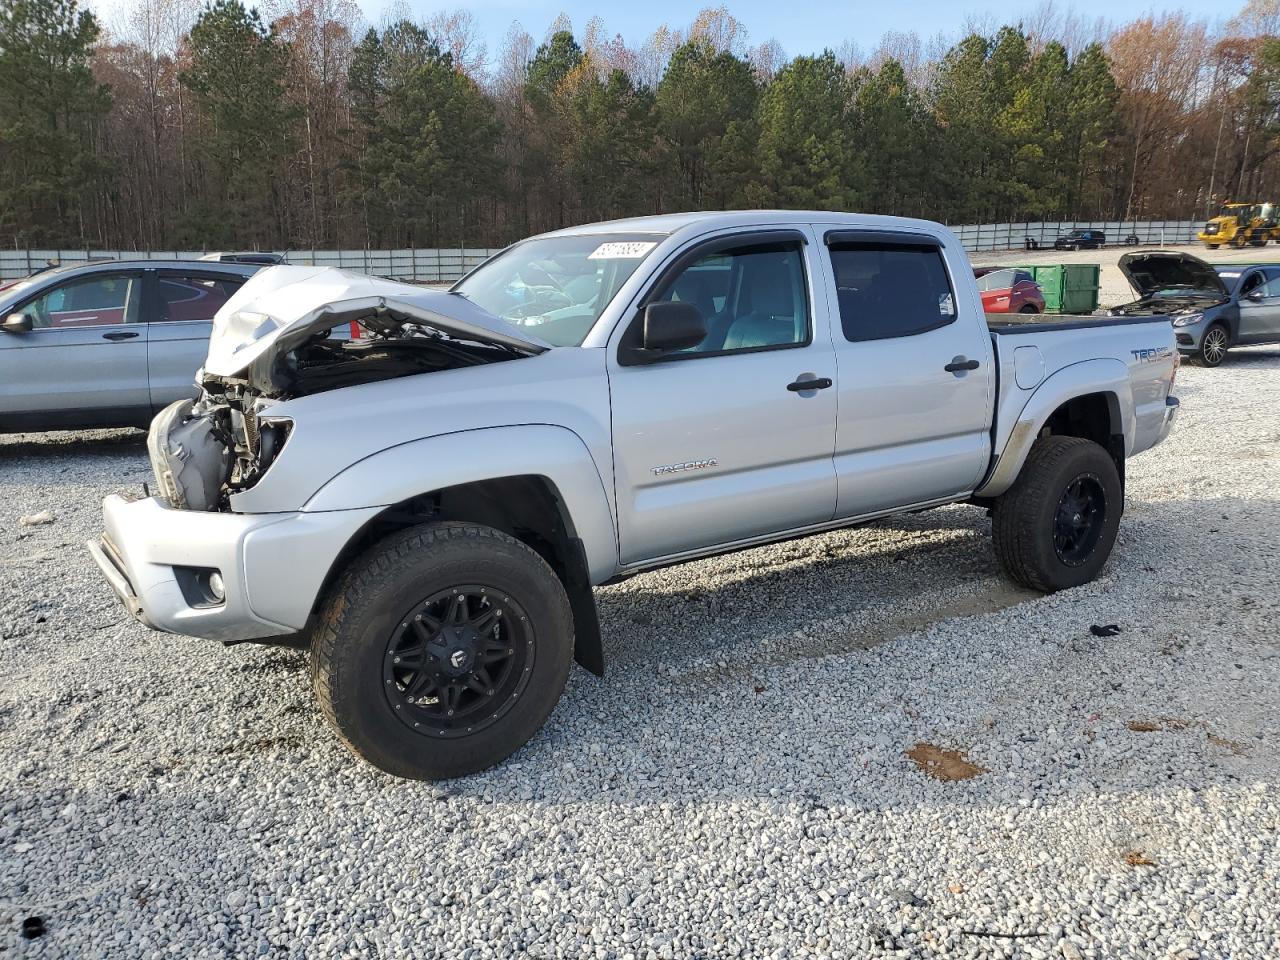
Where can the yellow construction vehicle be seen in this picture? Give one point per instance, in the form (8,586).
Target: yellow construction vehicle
(1241,225)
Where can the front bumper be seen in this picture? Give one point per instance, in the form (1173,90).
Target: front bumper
(272,565)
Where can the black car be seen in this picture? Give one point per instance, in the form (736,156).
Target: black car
(1080,240)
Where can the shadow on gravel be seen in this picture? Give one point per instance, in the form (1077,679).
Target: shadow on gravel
(50,446)
(858,587)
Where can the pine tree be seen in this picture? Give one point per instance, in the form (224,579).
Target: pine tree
(237,79)
(700,97)
(50,108)
(805,148)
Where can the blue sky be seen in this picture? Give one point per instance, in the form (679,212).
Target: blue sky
(804,27)
(800,27)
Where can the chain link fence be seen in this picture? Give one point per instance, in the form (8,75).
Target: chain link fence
(435,265)
(1040,235)
(444,265)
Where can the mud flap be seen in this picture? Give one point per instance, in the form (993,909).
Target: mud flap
(588,647)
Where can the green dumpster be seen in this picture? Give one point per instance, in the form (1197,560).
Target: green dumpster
(1068,287)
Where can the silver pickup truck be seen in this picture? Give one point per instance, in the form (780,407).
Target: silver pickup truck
(428,507)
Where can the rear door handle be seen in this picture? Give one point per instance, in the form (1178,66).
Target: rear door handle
(120,335)
(960,363)
(817,383)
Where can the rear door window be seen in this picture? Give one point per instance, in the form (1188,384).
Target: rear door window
(192,297)
(891,289)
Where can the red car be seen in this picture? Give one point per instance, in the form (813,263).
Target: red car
(1009,291)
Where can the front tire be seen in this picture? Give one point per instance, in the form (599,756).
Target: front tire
(1213,346)
(442,650)
(1213,246)
(1028,308)
(1055,527)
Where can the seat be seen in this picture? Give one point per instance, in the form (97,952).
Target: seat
(770,291)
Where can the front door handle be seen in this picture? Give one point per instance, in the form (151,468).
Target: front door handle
(960,363)
(816,383)
(120,335)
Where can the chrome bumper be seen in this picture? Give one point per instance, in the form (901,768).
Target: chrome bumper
(272,565)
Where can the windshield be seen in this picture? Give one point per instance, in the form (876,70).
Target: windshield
(558,286)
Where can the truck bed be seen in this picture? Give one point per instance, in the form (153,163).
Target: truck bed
(1051,322)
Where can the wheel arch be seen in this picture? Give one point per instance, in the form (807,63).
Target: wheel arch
(1092,400)
(537,483)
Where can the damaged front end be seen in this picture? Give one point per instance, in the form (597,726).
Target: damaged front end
(296,331)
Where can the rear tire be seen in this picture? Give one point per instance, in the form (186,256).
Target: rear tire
(1213,346)
(442,650)
(1055,527)
(1028,308)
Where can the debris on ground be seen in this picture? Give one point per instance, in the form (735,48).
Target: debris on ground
(940,764)
(1138,858)
(1105,630)
(1167,724)
(32,927)
(36,519)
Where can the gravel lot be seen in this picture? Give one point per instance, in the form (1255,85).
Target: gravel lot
(739,785)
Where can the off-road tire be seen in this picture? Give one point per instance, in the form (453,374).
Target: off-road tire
(362,610)
(1023,518)
(1213,246)
(1218,340)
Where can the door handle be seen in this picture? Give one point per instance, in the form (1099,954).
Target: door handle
(817,383)
(120,335)
(960,363)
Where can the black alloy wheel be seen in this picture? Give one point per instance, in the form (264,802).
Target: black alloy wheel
(1080,520)
(458,661)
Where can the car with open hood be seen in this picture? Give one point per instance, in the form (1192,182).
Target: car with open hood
(428,506)
(1211,308)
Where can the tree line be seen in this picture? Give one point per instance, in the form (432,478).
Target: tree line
(293,125)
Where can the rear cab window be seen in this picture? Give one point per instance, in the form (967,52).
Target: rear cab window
(890,289)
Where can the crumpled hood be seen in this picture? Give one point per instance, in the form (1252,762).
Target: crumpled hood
(280,307)
(1161,270)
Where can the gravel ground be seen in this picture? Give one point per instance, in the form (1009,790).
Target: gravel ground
(741,784)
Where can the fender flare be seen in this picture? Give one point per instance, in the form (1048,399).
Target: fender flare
(1104,375)
(554,453)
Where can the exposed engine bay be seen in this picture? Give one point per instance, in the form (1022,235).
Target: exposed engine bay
(1165,305)
(206,450)
(294,331)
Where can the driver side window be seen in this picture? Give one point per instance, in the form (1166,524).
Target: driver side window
(97,301)
(1251,282)
(752,297)
(1267,290)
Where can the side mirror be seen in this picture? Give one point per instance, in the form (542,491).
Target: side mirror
(671,325)
(1255,295)
(17,323)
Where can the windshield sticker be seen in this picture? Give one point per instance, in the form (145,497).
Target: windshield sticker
(622,250)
